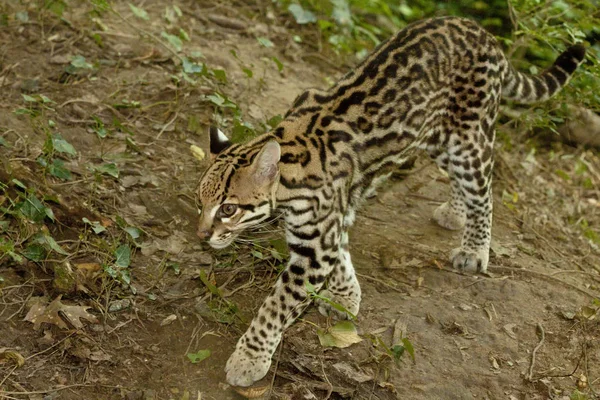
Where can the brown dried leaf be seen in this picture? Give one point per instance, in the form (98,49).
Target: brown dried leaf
(252,392)
(14,356)
(51,313)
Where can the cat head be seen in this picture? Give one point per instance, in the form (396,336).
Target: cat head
(237,191)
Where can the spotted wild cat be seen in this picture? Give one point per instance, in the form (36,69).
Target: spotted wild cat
(436,85)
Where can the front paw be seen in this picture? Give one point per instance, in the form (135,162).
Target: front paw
(338,306)
(470,260)
(244,368)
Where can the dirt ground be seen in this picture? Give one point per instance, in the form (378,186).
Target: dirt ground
(529,329)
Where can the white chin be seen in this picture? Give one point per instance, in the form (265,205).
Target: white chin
(219,245)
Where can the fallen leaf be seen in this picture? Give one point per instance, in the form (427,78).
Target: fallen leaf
(342,335)
(509,329)
(199,356)
(51,313)
(7,354)
(168,320)
(252,392)
(197,152)
(353,373)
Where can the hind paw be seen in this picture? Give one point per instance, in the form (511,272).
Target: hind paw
(448,217)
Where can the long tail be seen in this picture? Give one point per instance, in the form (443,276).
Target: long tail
(530,89)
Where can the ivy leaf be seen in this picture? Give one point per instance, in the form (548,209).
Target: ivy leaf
(62,146)
(173,40)
(199,356)
(96,227)
(133,232)
(49,243)
(301,15)
(139,12)
(32,208)
(343,334)
(34,252)
(109,169)
(123,256)
(265,42)
(79,62)
(57,169)
(278,63)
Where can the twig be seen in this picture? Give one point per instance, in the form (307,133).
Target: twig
(533,353)
(51,390)
(541,274)
(164,128)
(51,347)
(276,366)
(7,375)
(394,288)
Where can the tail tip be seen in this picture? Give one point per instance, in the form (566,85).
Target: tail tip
(570,59)
(577,51)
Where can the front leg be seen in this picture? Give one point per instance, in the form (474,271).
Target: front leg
(251,359)
(343,287)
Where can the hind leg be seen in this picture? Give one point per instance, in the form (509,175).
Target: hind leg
(452,214)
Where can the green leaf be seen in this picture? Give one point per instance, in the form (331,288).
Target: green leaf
(49,243)
(96,227)
(62,146)
(220,75)
(278,63)
(3,142)
(109,169)
(409,347)
(4,226)
(22,16)
(34,252)
(173,40)
(28,98)
(19,184)
(301,15)
(265,42)
(199,356)
(209,285)
(123,256)
(138,12)
(133,232)
(184,35)
(248,72)
(341,12)
(57,169)
(99,127)
(79,62)
(32,208)
(190,67)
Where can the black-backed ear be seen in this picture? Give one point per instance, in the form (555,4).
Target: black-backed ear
(218,141)
(264,167)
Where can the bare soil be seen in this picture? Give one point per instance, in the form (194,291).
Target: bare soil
(526,330)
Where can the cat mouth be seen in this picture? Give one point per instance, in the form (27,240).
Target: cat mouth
(221,243)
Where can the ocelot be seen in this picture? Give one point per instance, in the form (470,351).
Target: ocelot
(435,86)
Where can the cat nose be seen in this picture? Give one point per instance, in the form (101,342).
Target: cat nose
(203,233)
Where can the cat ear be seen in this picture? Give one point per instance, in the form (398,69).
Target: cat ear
(218,141)
(264,167)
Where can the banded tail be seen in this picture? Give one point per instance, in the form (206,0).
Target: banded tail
(530,89)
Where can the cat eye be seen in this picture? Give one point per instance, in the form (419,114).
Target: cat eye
(227,210)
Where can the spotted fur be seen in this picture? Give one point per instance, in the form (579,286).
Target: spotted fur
(436,86)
